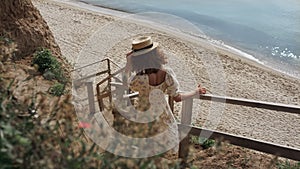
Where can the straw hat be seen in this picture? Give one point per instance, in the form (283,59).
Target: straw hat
(142,45)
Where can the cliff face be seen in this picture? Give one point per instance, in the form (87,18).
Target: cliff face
(21,22)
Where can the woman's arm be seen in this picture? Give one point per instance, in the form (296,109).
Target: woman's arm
(186,95)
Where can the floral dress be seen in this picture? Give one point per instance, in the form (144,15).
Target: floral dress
(150,114)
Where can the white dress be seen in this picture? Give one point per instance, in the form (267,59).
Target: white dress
(151,116)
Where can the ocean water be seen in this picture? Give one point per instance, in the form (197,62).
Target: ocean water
(269,30)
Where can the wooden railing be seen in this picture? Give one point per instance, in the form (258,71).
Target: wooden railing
(185,125)
(271,148)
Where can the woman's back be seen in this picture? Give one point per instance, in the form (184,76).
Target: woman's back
(157,78)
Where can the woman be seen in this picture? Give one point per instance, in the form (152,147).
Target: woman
(147,60)
(151,115)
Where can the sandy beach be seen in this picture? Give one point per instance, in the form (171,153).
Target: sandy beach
(88,35)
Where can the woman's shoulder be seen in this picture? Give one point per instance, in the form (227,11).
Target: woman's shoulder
(170,78)
(167,69)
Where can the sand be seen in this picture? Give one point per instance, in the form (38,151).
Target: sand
(88,35)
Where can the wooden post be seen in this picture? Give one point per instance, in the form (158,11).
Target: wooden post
(91,98)
(109,80)
(99,98)
(186,119)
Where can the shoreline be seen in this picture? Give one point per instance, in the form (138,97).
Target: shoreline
(216,43)
(244,78)
(103,7)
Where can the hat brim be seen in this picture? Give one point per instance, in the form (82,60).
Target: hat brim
(144,51)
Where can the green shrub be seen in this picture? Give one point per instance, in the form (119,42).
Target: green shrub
(45,61)
(57,89)
(48,65)
(54,141)
(204,142)
(29,142)
(12,139)
(207,143)
(288,165)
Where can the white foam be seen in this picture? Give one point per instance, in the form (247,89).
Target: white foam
(244,54)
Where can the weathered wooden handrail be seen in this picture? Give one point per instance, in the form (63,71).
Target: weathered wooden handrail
(275,149)
(106,59)
(259,145)
(252,103)
(78,82)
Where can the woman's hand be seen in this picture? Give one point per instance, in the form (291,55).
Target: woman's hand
(186,95)
(201,90)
